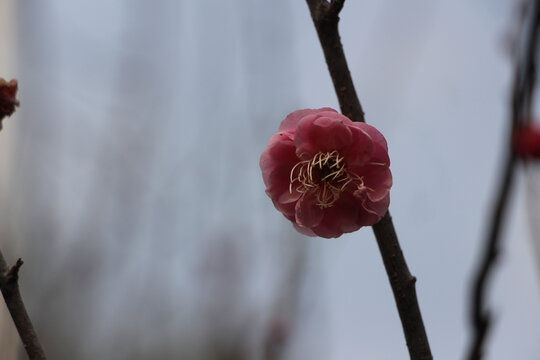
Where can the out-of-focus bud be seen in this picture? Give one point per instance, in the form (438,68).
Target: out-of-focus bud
(8,100)
(527,141)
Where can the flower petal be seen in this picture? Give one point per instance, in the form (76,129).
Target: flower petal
(322,132)
(308,213)
(303,230)
(361,149)
(292,120)
(378,179)
(377,208)
(373,133)
(374,171)
(339,219)
(276,163)
(280,151)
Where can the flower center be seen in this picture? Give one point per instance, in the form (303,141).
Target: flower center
(325,174)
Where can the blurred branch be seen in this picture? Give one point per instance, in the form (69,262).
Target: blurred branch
(9,277)
(284,317)
(325,17)
(10,290)
(522,95)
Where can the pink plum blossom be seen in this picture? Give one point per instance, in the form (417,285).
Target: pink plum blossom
(327,174)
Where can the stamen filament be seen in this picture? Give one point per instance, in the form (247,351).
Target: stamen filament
(328,182)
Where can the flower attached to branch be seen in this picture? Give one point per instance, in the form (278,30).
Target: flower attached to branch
(327,174)
(527,142)
(8,101)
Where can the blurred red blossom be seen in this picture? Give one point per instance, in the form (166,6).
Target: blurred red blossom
(527,141)
(8,101)
(327,174)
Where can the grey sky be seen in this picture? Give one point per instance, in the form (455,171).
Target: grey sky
(132,167)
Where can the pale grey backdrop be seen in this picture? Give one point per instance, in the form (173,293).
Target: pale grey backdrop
(130,182)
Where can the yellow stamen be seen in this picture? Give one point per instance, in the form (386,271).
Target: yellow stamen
(330,181)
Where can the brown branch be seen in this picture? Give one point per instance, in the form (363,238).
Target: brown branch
(480,317)
(10,290)
(9,277)
(522,95)
(403,286)
(325,16)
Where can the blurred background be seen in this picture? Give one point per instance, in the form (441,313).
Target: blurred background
(130,183)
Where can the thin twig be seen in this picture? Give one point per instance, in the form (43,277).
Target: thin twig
(522,95)
(326,24)
(9,286)
(403,286)
(325,16)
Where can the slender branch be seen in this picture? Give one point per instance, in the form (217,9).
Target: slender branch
(325,16)
(10,290)
(403,286)
(480,317)
(522,95)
